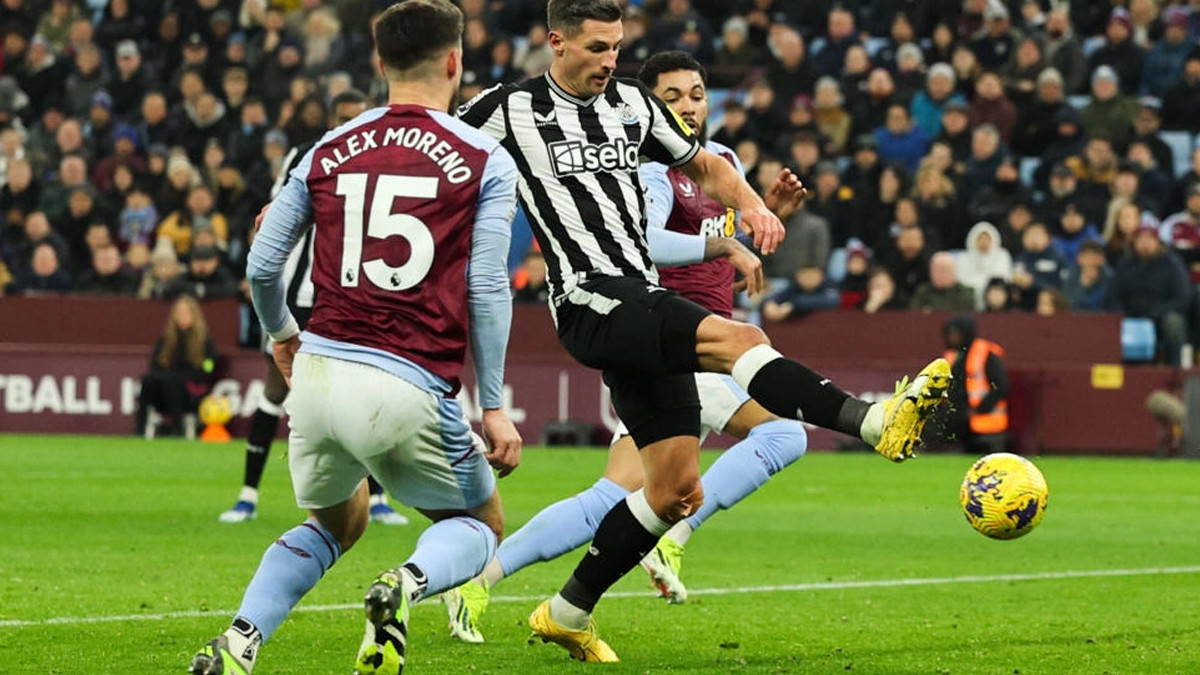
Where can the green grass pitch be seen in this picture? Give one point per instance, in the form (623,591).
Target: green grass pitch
(112,561)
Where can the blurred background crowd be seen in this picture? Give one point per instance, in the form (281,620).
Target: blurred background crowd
(987,155)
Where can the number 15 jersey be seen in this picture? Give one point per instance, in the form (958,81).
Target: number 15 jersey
(402,199)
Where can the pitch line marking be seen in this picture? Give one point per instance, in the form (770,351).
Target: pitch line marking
(740,590)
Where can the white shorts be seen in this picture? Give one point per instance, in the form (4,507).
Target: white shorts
(720,399)
(348,420)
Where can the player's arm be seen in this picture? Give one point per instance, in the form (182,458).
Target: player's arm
(490,305)
(283,224)
(723,183)
(669,248)
(671,141)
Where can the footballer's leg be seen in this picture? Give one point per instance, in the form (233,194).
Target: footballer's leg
(439,470)
(289,569)
(663,415)
(557,529)
(263,425)
(790,389)
(328,480)
(767,444)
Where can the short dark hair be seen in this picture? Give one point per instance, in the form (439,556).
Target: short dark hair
(669,62)
(409,33)
(351,95)
(567,16)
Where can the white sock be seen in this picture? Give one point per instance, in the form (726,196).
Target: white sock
(248,494)
(646,515)
(244,640)
(871,430)
(567,615)
(749,363)
(377,499)
(680,533)
(493,573)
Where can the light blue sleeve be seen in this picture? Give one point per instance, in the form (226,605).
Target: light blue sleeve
(283,225)
(488,294)
(667,248)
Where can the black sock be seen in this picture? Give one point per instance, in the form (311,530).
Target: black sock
(373,486)
(258,445)
(620,543)
(789,389)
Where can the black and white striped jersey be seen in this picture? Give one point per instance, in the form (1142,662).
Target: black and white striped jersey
(579,160)
(297,273)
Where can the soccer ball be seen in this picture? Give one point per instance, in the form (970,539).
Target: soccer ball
(1003,496)
(215,410)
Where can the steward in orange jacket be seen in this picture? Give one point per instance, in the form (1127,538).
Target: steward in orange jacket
(979,392)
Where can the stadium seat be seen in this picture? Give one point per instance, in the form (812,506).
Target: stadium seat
(1180,143)
(816,46)
(1138,340)
(1028,166)
(1092,44)
(1079,101)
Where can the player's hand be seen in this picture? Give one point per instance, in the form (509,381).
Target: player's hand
(748,264)
(764,226)
(503,440)
(284,353)
(785,195)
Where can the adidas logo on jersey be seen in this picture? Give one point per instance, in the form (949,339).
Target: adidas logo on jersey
(573,157)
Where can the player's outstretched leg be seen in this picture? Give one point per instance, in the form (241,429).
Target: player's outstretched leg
(258,447)
(790,389)
(449,553)
(289,569)
(381,511)
(767,449)
(557,529)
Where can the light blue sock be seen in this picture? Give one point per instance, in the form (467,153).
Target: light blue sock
(560,527)
(289,569)
(746,466)
(451,552)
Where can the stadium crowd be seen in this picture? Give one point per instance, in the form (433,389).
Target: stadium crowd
(989,155)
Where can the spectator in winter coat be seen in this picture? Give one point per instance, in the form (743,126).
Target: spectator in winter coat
(991,106)
(1181,102)
(808,291)
(1151,283)
(900,140)
(983,260)
(1108,114)
(943,291)
(1089,282)
(1164,62)
(928,104)
(1038,267)
(1120,52)
(1075,230)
